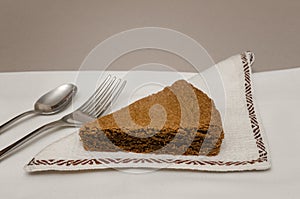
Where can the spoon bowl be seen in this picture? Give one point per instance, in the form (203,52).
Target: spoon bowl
(55,100)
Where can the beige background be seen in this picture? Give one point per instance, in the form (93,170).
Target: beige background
(58,34)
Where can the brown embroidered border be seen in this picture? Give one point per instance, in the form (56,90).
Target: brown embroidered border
(138,160)
(250,106)
(254,124)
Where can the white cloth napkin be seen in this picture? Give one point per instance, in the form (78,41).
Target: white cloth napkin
(244,147)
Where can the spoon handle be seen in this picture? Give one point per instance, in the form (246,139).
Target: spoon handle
(9,149)
(13,120)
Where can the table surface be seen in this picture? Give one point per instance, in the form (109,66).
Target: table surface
(277,96)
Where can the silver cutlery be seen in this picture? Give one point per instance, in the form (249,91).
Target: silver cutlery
(50,103)
(94,107)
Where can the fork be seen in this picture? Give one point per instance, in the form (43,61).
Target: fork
(94,107)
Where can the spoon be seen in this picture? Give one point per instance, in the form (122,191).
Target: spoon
(50,103)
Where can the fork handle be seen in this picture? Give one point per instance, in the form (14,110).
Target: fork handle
(11,148)
(14,119)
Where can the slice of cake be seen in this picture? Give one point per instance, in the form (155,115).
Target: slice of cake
(179,120)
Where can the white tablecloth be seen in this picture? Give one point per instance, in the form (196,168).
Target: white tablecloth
(278,100)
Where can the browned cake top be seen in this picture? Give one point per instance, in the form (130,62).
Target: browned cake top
(179,106)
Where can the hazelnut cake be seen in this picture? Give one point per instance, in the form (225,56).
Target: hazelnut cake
(178,120)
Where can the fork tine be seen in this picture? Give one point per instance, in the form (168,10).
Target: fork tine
(96,93)
(106,98)
(107,92)
(98,99)
(100,110)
